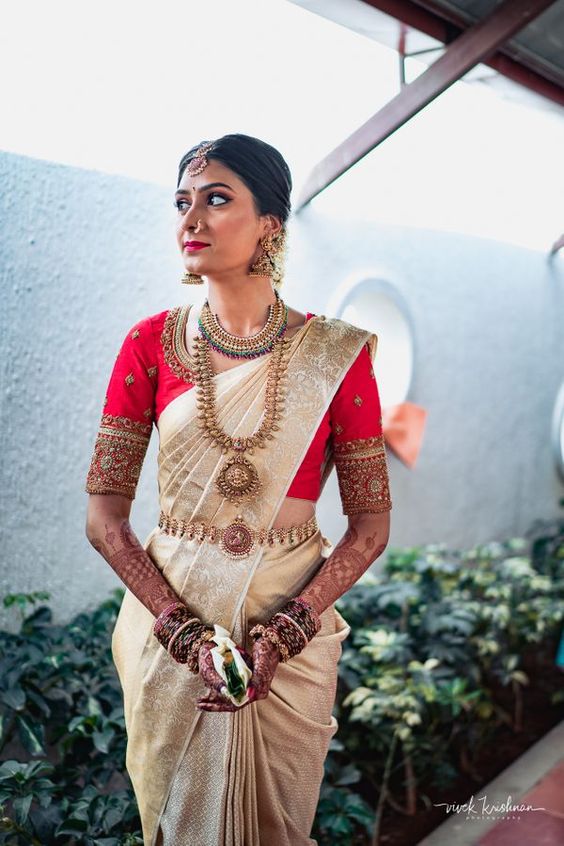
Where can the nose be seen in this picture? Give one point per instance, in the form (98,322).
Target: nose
(190,218)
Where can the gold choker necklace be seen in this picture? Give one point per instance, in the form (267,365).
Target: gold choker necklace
(235,346)
(238,478)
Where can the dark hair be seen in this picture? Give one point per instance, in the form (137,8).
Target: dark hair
(261,167)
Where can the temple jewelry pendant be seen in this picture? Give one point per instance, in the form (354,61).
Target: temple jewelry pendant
(238,479)
(237,539)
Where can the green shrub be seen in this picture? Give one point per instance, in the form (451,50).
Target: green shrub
(62,732)
(434,638)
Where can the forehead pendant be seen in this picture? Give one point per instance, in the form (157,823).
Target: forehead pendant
(199,162)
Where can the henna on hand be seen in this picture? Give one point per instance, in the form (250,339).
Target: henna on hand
(265,659)
(132,563)
(356,551)
(208,673)
(364,541)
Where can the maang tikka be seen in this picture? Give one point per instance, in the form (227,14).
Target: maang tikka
(193,168)
(200,160)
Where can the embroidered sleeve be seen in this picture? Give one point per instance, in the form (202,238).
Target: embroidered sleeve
(358,440)
(127,416)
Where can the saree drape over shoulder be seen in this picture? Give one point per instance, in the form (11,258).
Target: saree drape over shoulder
(250,777)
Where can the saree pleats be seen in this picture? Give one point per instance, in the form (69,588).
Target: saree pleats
(251,777)
(276,749)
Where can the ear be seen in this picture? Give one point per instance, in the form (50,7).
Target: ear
(272,225)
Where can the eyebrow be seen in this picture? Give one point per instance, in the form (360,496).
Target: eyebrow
(205,187)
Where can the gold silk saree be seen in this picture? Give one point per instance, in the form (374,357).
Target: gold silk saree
(250,777)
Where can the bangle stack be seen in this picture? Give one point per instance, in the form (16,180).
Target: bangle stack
(181,634)
(290,629)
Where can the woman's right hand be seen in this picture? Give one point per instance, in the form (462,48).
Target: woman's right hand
(215,699)
(208,673)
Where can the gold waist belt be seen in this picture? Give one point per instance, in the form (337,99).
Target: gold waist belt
(237,539)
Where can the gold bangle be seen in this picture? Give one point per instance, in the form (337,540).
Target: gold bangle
(181,629)
(270,634)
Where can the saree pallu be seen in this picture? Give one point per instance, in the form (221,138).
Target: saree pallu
(250,777)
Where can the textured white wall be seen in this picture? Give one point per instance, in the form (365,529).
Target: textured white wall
(489,349)
(84,255)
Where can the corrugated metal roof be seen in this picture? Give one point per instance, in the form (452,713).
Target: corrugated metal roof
(538,47)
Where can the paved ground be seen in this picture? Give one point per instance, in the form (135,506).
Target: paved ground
(536,779)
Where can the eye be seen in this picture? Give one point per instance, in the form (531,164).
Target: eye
(221,197)
(182,205)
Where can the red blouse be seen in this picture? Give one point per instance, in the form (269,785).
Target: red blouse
(149,372)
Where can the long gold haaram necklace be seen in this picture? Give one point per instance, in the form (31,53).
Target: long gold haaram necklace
(238,478)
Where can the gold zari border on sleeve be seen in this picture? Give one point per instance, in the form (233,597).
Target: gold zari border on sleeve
(171,341)
(362,473)
(119,451)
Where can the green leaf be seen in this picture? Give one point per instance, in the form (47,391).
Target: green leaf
(39,700)
(348,775)
(102,739)
(341,825)
(31,735)
(93,707)
(14,697)
(11,769)
(113,817)
(21,806)
(72,825)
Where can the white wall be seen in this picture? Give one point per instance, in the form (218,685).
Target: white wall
(489,350)
(84,255)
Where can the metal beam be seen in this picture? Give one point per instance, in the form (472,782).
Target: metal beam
(417,17)
(473,46)
(526,76)
(447,23)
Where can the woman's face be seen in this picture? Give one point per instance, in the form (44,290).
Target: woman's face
(229,221)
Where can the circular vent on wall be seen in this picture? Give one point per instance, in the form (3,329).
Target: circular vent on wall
(557,437)
(375,304)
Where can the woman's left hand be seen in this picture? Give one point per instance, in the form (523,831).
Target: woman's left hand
(266,658)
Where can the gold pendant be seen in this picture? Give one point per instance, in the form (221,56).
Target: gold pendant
(238,479)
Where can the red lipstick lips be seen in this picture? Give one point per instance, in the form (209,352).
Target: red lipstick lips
(195,245)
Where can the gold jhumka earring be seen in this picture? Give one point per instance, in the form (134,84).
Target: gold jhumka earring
(270,261)
(190,278)
(193,168)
